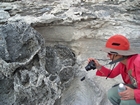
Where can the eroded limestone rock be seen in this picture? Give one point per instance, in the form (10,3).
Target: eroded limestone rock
(37,75)
(32,73)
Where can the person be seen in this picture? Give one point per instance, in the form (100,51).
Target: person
(128,66)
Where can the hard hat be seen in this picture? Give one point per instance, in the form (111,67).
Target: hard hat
(118,44)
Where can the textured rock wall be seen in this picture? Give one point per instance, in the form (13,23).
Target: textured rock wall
(89,19)
(31,73)
(34,74)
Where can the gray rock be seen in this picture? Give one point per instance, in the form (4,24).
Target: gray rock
(4,16)
(23,64)
(31,73)
(8,0)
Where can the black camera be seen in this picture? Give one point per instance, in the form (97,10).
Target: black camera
(91,65)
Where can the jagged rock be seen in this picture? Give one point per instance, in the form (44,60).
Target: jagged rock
(19,44)
(4,16)
(58,57)
(44,75)
(25,65)
(8,0)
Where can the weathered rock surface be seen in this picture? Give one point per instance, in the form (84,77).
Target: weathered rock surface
(30,73)
(100,18)
(34,74)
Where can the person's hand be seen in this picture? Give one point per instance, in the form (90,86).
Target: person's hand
(98,66)
(128,94)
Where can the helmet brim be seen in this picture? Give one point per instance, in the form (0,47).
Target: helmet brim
(120,52)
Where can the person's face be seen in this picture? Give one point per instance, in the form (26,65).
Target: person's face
(109,55)
(113,56)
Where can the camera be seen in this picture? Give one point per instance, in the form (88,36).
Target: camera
(91,65)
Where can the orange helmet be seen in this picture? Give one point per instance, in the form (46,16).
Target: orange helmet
(118,44)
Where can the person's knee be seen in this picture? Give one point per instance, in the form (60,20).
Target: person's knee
(128,102)
(113,96)
(110,93)
(124,102)
(113,93)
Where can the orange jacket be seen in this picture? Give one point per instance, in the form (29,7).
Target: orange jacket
(133,64)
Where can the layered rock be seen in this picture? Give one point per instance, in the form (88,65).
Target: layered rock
(34,74)
(97,19)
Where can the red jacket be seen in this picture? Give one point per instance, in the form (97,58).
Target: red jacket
(133,63)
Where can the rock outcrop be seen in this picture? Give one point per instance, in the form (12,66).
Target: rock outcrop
(44,46)
(31,73)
